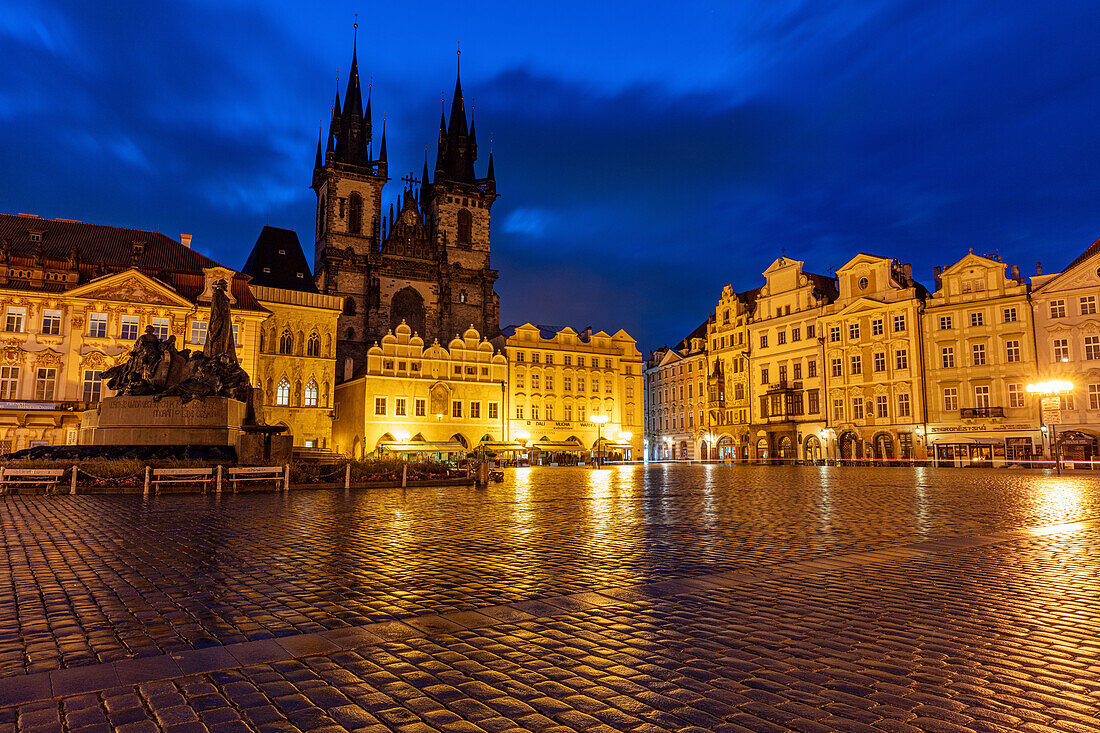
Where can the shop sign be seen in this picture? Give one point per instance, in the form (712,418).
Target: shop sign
(1051,417)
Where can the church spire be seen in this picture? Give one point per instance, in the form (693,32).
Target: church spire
(382,147)
(491,174)
(319,161)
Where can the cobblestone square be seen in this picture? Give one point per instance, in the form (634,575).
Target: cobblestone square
(659,597)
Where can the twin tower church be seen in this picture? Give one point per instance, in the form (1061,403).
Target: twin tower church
(425,260)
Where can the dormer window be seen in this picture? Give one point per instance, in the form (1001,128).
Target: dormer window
(282,251)
(267,270)
(35,236)
(301,276)
(138,248)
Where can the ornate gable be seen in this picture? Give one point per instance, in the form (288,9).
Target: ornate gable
(130,286)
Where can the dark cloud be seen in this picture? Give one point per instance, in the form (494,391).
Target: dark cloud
(631,192)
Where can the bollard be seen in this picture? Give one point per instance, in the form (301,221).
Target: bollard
(404,475)
(148,471)
(347,476)
(218,488)
(286,477)
(72,486)
(483,474)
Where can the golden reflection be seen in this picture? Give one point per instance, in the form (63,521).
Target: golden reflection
(825,501)
(522,513)
(1061,499)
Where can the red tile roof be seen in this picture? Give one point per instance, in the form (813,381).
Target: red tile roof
(101,250)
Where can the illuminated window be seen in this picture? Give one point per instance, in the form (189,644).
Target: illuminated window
(456,408)
(1012,351)
(160,328)
(1061,349)
(950,398)
(44,384)
(309,397)
(9,382)
(92,385)
(97,325)
(420,408)
(198,332)
(400,407)
(15,317)
(51,322)
(904,409)
(947,357)
(129,330)
(876,327)
(282,394)
(1057,309)
(494,411)
(380,406)
(1016,395)
(1088,305)
(313,346)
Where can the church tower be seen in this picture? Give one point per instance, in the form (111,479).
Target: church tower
(348,180)
(426,260)
(459,205)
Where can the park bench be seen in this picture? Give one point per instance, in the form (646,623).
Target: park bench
(254,478)
(14,480)
(156,478)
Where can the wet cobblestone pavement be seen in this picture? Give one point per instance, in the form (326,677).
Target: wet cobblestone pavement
(798,600)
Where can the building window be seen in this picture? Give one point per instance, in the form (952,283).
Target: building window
(519,412)
(355,213)
(160,328)
(981,397)
(51,322)
(838,410)
(286,341)
(282,393)
(945,323)
(977,353)
(813,402)
(1057,309)
(950,398)
(568,412)
(881,406)
(519,357)
(1012,351)
(568,360)
(977,319)
(856,364)
(1015,395)
(899,322)
(1010,315)
(534,412)
(92,385)
(567,383)
(549,359)
(420,408)
(1088,305)
(853,331)
(1092,347)
(947,357)
(15,319)
(465,227)
(796,334)
(129,331)
(781,338)
(475,410)
(1065,402)
(857,408)
(9,382)
(400,407)
(904,409)
(607,387)
(1094,396)
(810,331)
(880,361)
(494,412)
(901,359)
(876,327)
(309,397)
(798,370)
(763,341)
(1061,349)
(198,332)
(580,361)
(44,384)
(837,368)
(764,375)
(580,384)
(97,325)
(580,413)
(456,408)
(834,334)
(313,346)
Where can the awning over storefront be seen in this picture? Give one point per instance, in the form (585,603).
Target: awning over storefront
(501,447)
(395,447)
(558,446)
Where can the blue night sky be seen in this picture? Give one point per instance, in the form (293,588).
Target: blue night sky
(644,158)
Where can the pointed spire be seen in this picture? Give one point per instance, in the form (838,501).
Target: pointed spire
(382,147)
(319,161)
(491,174)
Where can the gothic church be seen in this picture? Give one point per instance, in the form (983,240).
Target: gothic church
(425,262)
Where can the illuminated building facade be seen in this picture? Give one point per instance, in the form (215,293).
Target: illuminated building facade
(729,389)
(676,400)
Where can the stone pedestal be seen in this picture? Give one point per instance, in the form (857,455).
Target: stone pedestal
(141,421)
(264,448)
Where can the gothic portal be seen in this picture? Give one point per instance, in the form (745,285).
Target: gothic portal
(426,260)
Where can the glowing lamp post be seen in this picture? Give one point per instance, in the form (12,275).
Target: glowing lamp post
(1050,414)
(599,420)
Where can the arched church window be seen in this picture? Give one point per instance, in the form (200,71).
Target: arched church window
(349,306)
(465,227)
(313,346)
(286,342)
(355,213)
(282,395)
(309,397)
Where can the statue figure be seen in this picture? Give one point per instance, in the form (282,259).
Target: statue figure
(219,335)
(158,368)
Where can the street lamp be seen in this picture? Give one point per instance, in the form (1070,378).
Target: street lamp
(1049,412)
(599,420)
(824,436)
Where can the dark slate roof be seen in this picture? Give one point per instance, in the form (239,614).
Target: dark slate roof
(749,296)
(826,284)
(1089,252)
(277,261)
(102,250)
